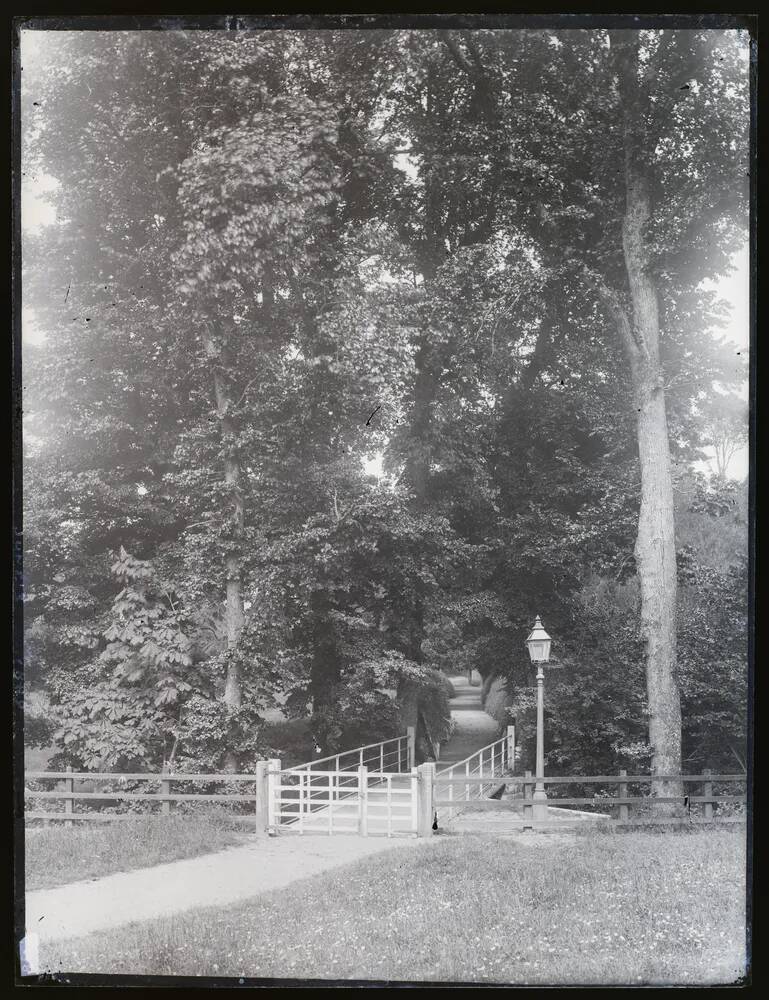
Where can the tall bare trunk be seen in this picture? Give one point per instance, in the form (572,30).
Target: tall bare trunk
(325,673)
(655,550)
(234,614)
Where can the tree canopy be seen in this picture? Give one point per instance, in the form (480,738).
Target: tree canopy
(480,254)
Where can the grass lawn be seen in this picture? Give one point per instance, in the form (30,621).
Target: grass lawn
(609,908)
(55,855)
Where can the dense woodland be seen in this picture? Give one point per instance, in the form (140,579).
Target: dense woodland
(479,253)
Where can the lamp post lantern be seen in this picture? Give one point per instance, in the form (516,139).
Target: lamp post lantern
(538,644)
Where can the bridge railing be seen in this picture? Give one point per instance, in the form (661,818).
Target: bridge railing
(396,755)
(492,762)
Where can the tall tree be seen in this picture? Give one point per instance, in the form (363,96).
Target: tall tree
(636,181)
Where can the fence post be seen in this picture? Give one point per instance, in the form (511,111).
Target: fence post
(165,789)
(528,806)
(381,758)
(69,784)
(425,794)
(623,809)
(363,801)
(273,782)
(708,790)
(511,748)
(262,793)
(411,740)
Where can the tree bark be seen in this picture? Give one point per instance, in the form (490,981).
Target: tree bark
(218,354)
(655,550)
(324,671)
(417,474)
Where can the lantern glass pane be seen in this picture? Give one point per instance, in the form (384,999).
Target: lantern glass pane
(539,650)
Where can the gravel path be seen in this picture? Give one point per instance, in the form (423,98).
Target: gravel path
(473,727)
(224,877)
(237,873)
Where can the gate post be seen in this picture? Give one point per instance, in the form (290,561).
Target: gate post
(411,741)
(273,784)
(425,796)
(69,784)
(363,801)
(511,748)
(707,790)
(623,810)
(528,808)
(262,797)
(165,789)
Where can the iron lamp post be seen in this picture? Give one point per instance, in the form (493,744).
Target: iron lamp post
(538,644)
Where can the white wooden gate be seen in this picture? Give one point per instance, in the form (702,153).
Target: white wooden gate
(363,802)
(340,794)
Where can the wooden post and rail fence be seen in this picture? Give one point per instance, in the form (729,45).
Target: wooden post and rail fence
(378,790)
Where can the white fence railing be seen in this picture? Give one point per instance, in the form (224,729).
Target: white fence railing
(395,755)
(495,760)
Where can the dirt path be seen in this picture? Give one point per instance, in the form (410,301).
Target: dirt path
(473,727)
(224,877)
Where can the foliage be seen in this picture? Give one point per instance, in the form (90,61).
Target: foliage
(141,678)
(240,272)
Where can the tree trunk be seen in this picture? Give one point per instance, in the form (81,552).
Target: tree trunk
(324,673)
(655,550)
(234,614)
(417,467)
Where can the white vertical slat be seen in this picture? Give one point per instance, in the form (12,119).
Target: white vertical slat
(381,757)
(467,774)
(273,780)
(301,801)
(389,805)
(330,804)
(413,800)
(363,801)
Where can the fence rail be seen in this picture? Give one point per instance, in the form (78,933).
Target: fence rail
(163,797)
(618,803)
(388,757)
(391,802)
